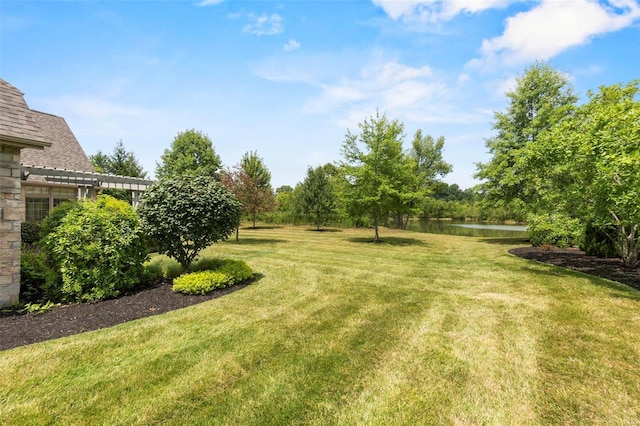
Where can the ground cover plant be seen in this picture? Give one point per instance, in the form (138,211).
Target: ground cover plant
(419,329)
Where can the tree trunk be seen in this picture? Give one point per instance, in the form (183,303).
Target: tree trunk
(237,233)
(254,220)
(629,246)
(376,220)
(406,222)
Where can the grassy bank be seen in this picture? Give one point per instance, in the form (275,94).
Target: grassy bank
(422,329)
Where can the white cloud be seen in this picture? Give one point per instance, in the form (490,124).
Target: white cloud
(264,24)
(553,27)
(427,11)
(210,2)
(412,94)
(291,45)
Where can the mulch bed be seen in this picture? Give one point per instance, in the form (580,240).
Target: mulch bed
(577,260)
(19,330)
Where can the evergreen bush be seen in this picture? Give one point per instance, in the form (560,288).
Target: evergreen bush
(30,232)
(600,241)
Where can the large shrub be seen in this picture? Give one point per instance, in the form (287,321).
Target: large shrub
(600,241)
(99,249)
(187,214)
(39,282)
(555,230)
(55,216)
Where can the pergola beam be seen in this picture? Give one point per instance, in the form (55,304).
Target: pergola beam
(96,180)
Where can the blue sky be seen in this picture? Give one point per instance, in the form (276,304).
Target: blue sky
(289,78)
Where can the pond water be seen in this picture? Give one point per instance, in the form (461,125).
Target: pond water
(468,229)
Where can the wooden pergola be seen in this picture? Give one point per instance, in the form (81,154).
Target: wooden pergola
(86,181)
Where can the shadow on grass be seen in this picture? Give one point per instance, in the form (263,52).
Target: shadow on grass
(619,289)
(257,228)
(256,277)
(391,241)
(246,241)
(505,241)
(322,230)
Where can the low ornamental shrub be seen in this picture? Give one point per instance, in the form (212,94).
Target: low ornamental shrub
(600,241)
(207,264)
(227,272)
(162,267)
(200,282)
(237,271)
(99,249)
(30,232)
(555,230)
(39,282)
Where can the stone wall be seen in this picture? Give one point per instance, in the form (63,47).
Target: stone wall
(10,216)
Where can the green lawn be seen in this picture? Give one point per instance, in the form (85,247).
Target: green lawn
(422,329)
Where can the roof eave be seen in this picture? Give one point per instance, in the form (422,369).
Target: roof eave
(18,142)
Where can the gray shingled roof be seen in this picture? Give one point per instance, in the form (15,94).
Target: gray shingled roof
(64,153)
(17,122)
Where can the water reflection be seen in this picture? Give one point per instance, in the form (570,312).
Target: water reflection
(468,229)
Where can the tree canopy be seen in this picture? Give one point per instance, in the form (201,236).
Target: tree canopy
(378,175)
(316,195)
(541,98)
(250,181)
(191,153)
(588,165)
(185,214)
(119,162)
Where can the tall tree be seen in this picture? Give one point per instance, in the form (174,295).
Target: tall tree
(541,98)
(376,169)
(253,165)
(119,162)
(588,165)
(428,165)
(250,181)
(191,153)
(316,196)
(258,195)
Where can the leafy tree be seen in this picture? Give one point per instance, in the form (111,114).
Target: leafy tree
(427,166)
(191,153)
(251,182)
(253,165)
(186,214)
(119,162)
(588,165)
(542,97)
(376,169)
(317,197)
